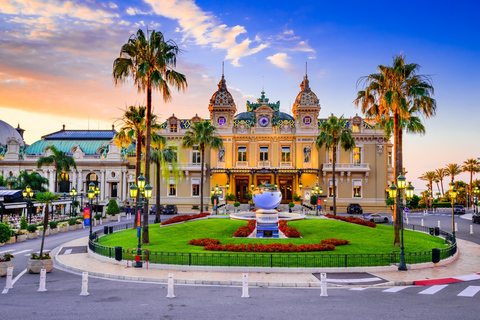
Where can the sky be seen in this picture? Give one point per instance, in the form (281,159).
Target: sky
(56,61)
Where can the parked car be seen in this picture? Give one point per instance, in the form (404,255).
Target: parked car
(374,217)
(354,208)
(476,218)
(170,209)
(153,209)
(458,209)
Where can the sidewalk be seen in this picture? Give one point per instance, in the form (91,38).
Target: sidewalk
(460,268)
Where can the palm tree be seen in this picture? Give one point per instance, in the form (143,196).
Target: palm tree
(472,166)
(149,60)
(46,198)
(396,92)
(165,159)
(61,161)
(34,180)
(441,173)
(453,170)
(3,181)
(202,134)
(428,176)
(334,132)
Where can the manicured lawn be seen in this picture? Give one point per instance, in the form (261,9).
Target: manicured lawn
(362,239)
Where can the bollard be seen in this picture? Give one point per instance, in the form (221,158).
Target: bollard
(43,279)
(119,218)
(406,220)
(422,222)
(9,284)
(84,284)
(438,224)
(170,286)
(456,228)
(471,229)
(245,286)
(323,281)
(100,221)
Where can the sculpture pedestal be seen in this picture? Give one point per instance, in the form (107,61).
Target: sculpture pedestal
(267,223)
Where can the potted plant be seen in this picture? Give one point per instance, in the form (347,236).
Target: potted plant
(236,205)
(21,235)
(297,198)
(230,197)
(63,226)
(5,263)
(113,209)
(53,227)
(72,224)
(97,218)
(41,230)
(79,223)
(32,232)
(37,262)
(23,223)
(105,219)
(290,206)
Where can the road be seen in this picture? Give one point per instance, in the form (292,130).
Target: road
(112,299)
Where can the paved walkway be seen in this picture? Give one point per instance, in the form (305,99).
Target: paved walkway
(464,266)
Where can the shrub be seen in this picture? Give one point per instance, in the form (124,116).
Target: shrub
(112,207)
(291,205)
(23,223)
(335,242)
(36,256)
(72,221)
(247,230)
(297,197)
(215,197)
(7,256)
(236,204)
(272,247)
(230,197)
(5,232)
(98,216)
(31,228)
(313,200)
(53,224)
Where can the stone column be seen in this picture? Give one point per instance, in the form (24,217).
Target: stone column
(51,180)
(74,179)
(80,180)
(124,185)
(102,184)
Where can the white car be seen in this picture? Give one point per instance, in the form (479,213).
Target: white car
(375,217)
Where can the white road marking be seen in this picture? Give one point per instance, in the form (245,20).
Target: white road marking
(358,289)
(396,289)
(18,277)
(29,250)
(7,251)
(470,291)
(68,251)
(355,280)
(433,289)
(468,277)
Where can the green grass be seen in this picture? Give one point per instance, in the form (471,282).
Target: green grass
(362,239)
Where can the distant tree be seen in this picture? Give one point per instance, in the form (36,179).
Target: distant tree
(441,173)
(45,198)
(472,166)
(61,161)
(33,179)
(453,170)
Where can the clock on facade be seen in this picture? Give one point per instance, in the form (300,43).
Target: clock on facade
(221,121)
(263,121)
(307,120)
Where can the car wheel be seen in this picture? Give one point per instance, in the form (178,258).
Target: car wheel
(371,220)
(385,219)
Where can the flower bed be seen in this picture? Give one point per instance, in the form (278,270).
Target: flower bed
(203,242)
(335,242)
(353,220)
(247,230)
(289,232)
(184,218)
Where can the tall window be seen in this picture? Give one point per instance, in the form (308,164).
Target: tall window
(357,155)
(196,155)
(195,187)
(286,154)
(357,188)
(355,128)
(242,154)
(390,158)
(264,153)
(172,189)
(330,188)
(113,189)
(173,127)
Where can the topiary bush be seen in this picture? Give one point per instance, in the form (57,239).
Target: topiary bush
(31,228)
(53,224)
(113,208)
(236,204)
(5,232)
(23,223)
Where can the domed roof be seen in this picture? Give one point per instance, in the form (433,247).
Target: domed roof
(285,116)
(222,98)
(7,131)
(306,97)
(244,116)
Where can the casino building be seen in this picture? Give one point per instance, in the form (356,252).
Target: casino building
(261,145)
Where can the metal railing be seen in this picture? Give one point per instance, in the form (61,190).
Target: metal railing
(281,260)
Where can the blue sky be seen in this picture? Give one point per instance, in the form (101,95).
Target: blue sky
(56,59)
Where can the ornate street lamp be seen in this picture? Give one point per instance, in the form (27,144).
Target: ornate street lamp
(453,195)
(91,195)
(476,192)
(73,194)
(216,192)
(145,194)
(28,195)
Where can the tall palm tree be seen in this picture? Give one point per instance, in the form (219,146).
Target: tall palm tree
(333,133)
(150,61)
(472,166)
(441,173)
(453,170)
(165,159)
(34,180)
(428,176)
(46,198)
(203,135)
(396,92)
(61,161)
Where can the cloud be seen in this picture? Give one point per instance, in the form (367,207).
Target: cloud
(288,32)
(205,29)
(134,11)
(303,47)
(281,60)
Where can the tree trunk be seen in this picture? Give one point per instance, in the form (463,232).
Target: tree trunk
(333,178)
(157,193)
(45,225)
(441,183)
(201,179)
(56,181)
(398,169)
(146,238)
(138,168)
(470,187)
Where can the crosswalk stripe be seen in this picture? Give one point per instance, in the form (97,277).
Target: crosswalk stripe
(470,291)
(358,289)
(396,289)
(355,280)
(433,289)
(23,251)
(7,251)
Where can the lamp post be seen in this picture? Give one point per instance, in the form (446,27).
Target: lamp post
(217,191)
(73,194)
(453,195)
(28,195)
(476,192)
(91,195)
(145,194)
(97,194)
(81,200)
(393,194)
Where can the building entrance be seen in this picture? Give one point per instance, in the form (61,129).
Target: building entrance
(241,189)
(285,185)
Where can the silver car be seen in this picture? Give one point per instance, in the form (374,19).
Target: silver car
(374,217)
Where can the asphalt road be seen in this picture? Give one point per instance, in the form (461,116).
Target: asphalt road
(111,299)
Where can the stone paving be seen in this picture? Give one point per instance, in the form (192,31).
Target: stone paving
(464,263)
